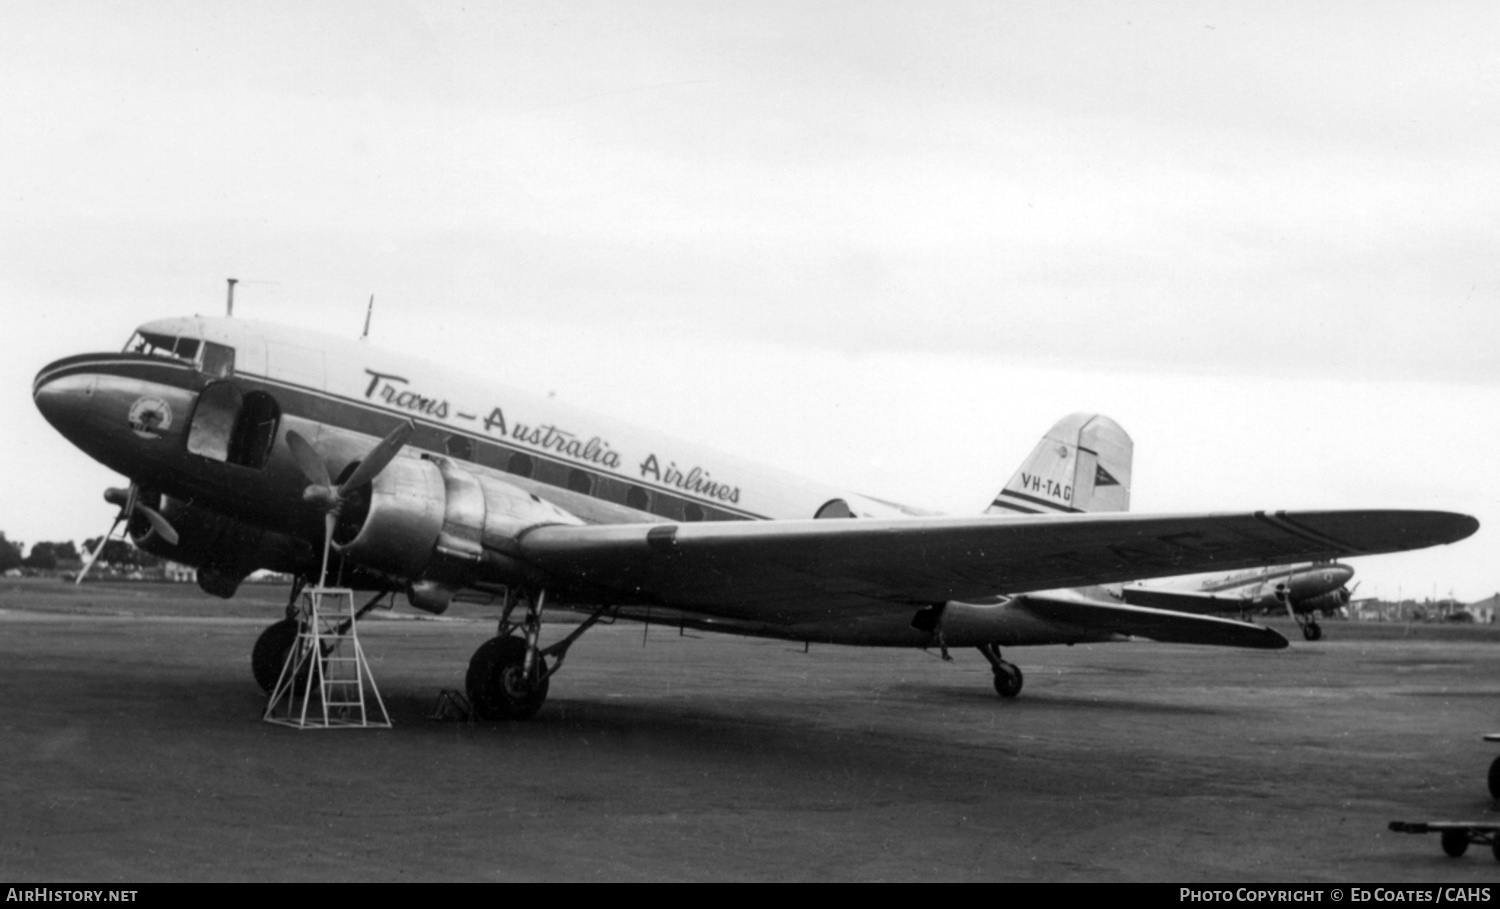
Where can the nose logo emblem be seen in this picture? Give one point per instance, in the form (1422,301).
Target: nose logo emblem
(150,417)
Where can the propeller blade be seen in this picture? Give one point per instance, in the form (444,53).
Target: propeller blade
(158,523)
(378,458)
(308,459)
(330,519)
(98,551)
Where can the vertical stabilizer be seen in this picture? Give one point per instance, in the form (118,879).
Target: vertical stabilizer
(1081,465)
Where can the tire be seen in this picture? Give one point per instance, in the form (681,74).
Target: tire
(1312,631)
(494,684)
(1008,680)
(1455,842)
(269,653)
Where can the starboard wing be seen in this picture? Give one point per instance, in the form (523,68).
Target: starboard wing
(786,568)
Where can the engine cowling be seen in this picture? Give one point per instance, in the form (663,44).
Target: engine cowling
(438,527)
(1329,602)
(223,550)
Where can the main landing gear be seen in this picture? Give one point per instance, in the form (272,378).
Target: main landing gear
(509,674)
(1311,630)
(270,650)
(1456,835)
(1008,678)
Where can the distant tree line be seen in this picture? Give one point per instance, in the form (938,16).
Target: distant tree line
(10,554)
(119,554)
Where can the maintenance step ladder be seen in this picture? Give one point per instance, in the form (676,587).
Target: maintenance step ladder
(322,684)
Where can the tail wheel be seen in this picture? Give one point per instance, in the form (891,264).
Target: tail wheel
(497,684)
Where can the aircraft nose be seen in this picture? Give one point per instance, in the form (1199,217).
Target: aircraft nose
(1342,574)
(63,396)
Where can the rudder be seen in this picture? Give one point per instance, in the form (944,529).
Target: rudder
(1082,465)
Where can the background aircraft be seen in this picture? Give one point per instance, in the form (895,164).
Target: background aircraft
(1302,590)
(251,446)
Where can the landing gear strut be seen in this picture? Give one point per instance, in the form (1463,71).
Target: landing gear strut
(1311,630)
(1008,677)
(1308,621)
(509,674)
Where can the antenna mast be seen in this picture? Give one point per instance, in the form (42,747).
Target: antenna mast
(229,308)
(368,311)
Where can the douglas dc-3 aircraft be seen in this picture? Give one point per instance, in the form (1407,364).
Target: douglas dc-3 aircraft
(1302,591)
(251,446)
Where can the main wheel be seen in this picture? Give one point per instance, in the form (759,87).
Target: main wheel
(1312,631)
(1455,842)
(269,653)
(1008,680)
(497,684)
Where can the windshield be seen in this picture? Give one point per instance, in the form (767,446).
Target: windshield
(162,345)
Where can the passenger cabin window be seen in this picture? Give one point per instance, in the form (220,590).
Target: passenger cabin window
(460,447)
(234,427)
(520,465)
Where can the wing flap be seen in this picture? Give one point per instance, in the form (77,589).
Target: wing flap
(1079,610)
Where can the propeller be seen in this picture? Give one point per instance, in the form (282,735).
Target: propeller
(129,503)
(1284,594)
(331,498)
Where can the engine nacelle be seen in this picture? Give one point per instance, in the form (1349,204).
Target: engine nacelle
(223,550)
(1327,603)
(438,527)
(1267,600)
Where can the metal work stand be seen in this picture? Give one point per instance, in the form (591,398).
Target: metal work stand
(322,685)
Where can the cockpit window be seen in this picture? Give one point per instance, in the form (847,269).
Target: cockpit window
(156,345)
(213,360)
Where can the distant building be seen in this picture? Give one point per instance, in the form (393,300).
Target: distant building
(1484,610)
(178,573)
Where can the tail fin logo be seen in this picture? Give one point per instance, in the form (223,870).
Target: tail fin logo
(1102,477)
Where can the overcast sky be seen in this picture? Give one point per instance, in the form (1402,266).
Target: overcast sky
(882,244)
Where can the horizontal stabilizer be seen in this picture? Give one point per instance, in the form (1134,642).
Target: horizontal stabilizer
(1079,609)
